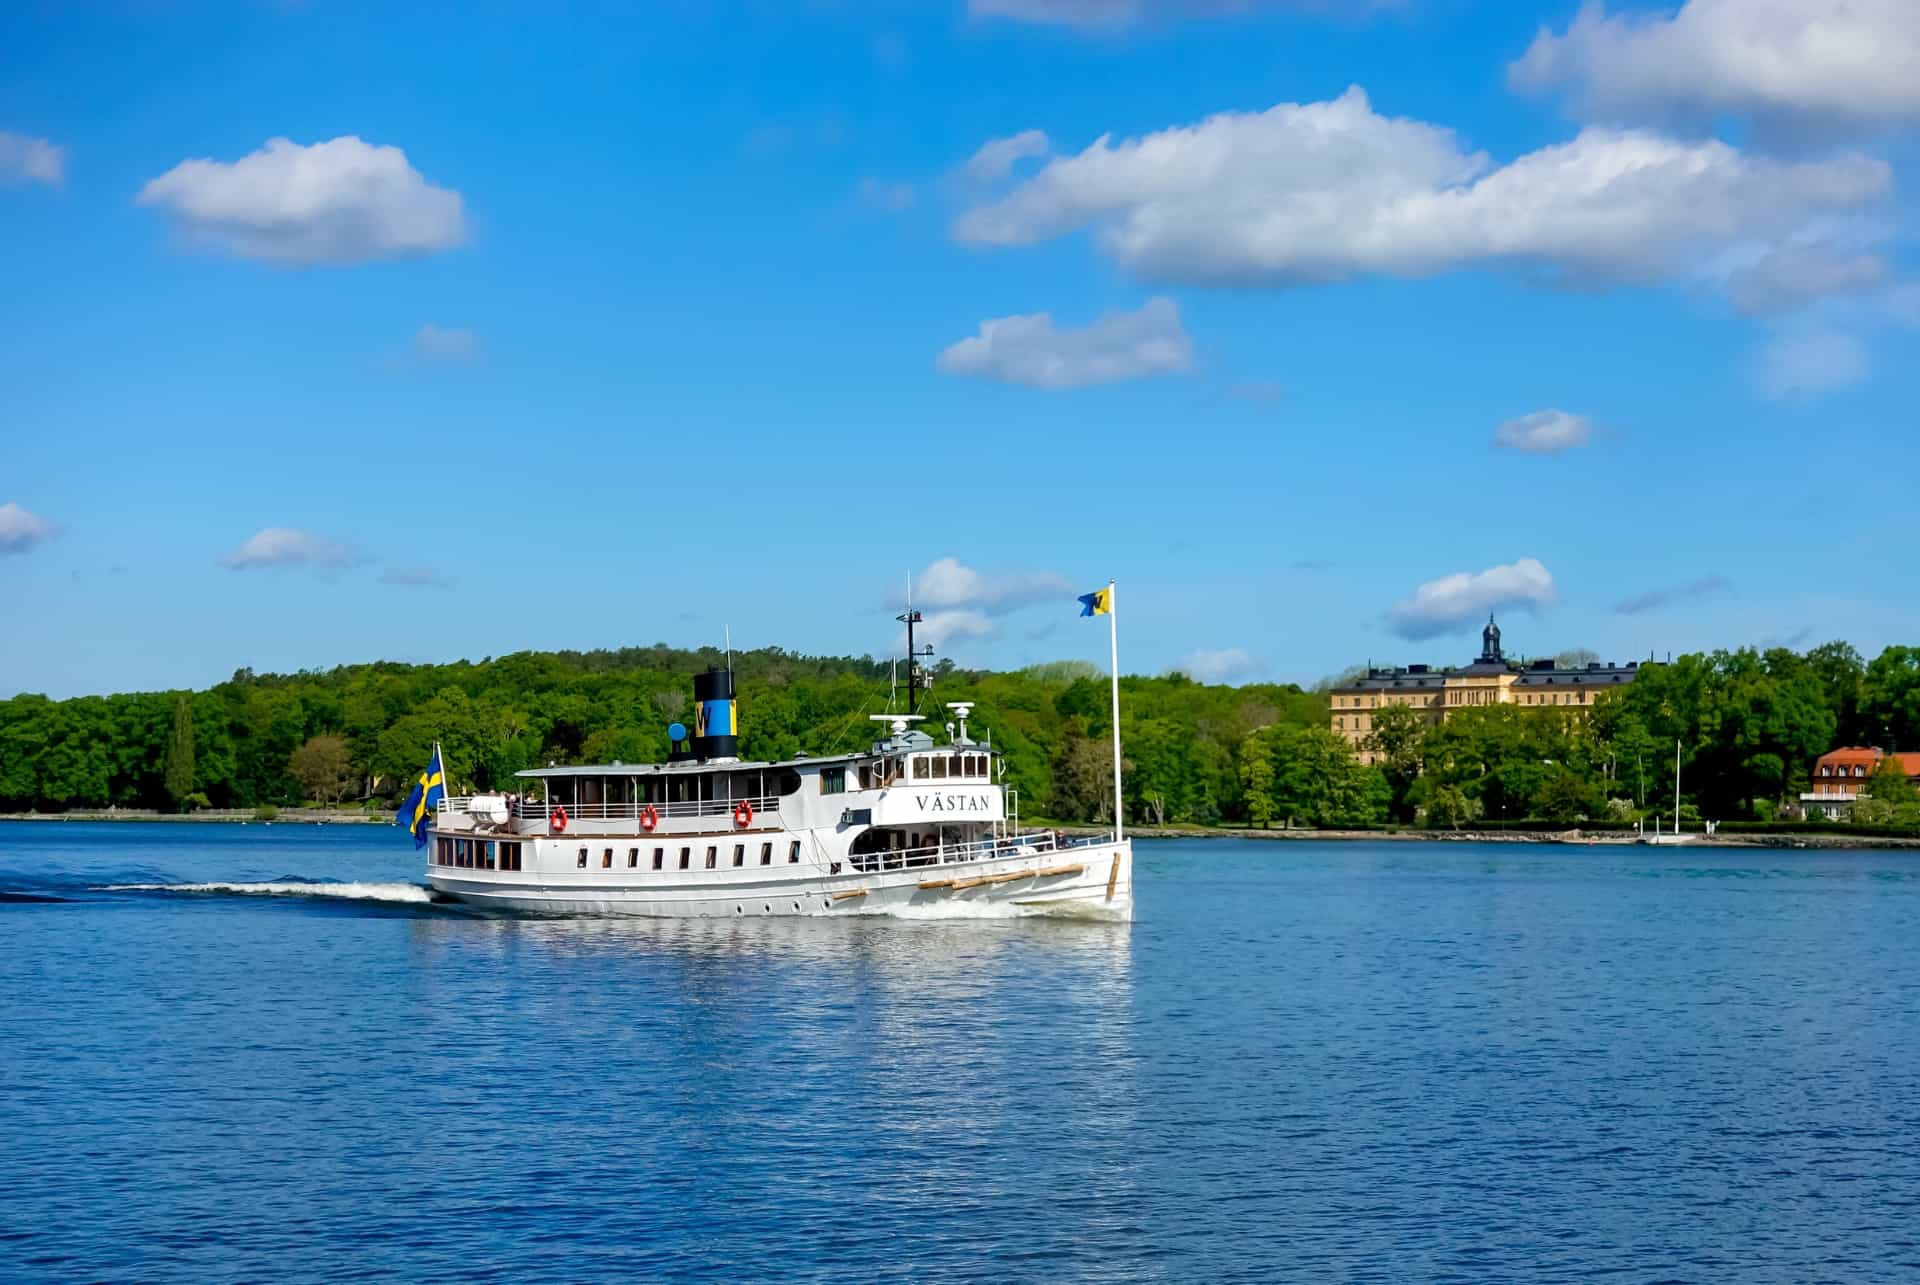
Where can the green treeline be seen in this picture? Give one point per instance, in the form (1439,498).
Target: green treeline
(1750,724)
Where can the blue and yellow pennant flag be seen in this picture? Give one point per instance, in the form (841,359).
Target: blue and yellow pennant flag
(418,810)
(1097,603)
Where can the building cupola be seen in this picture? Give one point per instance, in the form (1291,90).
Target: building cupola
(1490,642)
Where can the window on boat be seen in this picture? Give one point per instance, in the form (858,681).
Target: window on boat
(793,853)
(833,780)
(766,854)
(953,765)
(866,776)
(713,855)
(460,850)
(582,863)
(633,857)
(739,854)
(919,769)
(440,846)
(486,855)
(939,768)
(606,859)
(659,855)
(684,854)
(510,856)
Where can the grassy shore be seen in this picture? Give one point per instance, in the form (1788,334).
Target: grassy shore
(243,816)
(1594,838)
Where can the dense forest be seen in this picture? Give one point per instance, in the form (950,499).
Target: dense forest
(1749,723)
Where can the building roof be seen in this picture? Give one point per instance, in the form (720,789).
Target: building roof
(1869,756)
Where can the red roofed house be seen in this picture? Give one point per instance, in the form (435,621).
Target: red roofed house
(1840,777)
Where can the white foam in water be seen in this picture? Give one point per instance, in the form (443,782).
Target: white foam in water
(404,892)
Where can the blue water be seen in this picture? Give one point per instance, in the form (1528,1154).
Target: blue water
(1305,1061)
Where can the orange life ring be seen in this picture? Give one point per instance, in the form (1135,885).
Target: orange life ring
(649,818)
(557,820)
(743,814)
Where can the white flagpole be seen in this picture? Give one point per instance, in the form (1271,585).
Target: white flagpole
(1113,622)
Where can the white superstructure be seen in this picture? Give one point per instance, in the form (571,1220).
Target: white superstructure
(907,827)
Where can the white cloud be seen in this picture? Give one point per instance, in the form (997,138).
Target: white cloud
(1805,364)
(1792,276)
(1030,350)
(997,157)
(940,628)
(433,343)
(21,530)
(887,198)
(950,583)
(337,202)
(1455,601)
(31,160)
(1325,191)
(1826,61)
(1229,665)
(282,546)
(1107,15)
(1544,432)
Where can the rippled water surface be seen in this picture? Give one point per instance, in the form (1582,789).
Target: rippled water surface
(1313,1061)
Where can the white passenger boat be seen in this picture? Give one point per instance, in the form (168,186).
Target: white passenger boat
(907,827)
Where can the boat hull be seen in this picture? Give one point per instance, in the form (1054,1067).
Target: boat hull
(1092,881)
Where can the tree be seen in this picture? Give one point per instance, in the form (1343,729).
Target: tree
(1566,798)
(1890,698)
(323,766)
(1889,784)
(1256,778)
(1399,735)
(178,772)
(1448,807)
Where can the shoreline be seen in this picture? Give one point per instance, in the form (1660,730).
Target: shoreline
(1572,835)
(213,816)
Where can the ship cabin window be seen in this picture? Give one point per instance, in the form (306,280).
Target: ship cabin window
(462,851)
(939,768)
(793,853)
(633,858)
(866,776)
(833,780)
(920,771)
(606,859)
(713,855)
(485,849)
(510,855)
(766,854)
(739,855)
(684,854)
(443,848)
(582,863)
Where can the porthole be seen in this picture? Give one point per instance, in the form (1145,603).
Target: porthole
(766,909)
(738,911)
(796,907)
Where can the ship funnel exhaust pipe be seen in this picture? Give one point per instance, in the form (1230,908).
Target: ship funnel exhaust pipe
(716,730)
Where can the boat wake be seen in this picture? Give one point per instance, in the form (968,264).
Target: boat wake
(406,893)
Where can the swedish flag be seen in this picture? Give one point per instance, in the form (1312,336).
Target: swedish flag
(417,811)
(1097,603)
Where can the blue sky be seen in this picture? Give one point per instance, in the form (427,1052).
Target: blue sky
(1325,329)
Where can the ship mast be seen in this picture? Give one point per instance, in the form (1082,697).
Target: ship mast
(917,678)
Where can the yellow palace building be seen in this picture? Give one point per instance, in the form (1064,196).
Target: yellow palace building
(1491,679)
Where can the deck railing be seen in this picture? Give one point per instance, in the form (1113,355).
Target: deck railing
(527,810)
(1005,845)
